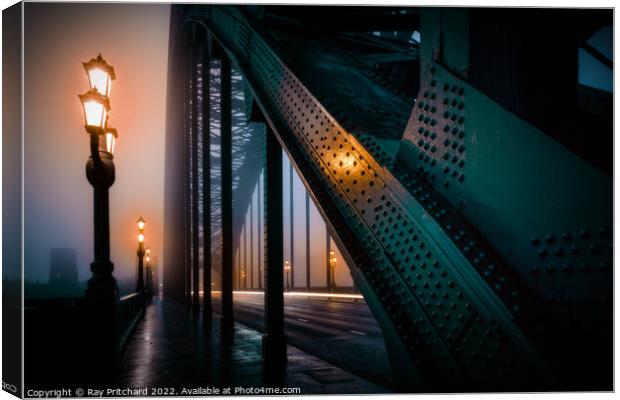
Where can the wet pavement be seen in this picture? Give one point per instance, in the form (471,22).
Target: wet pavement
(173,352)
(341,331)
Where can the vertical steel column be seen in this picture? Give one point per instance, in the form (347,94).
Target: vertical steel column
(186,173)
(251,243)
(206,181)
(227,222)
(328,248)
(237,263)
(307,240)
(259,222)
(274,342)
(173,213)
(194,184)
(292,220)
(237,272)
(245,257)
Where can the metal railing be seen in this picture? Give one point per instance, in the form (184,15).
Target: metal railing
(130,310)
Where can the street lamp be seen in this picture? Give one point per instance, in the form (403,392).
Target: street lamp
(102,291)
(140,253)
(141,224)
(287,268)
(332,266)
(100,174)
(243,279)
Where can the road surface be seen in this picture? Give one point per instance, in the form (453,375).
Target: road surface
(340,330)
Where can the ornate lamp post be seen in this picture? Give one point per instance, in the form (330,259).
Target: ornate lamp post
(287,268)
(332,266)
(100,174)
(102,290)
(140,253)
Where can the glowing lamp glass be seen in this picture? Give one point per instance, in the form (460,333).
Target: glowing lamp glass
(107,141)
(141,237)
(110,142)
(100,81)
(95,110)
(100,75)
(141,224)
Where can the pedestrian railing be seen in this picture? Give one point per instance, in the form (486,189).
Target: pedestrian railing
(130,310)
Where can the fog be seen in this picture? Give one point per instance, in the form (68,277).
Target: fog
(58,199)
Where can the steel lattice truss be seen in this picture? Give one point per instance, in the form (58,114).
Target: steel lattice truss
(482,260)
(247,141)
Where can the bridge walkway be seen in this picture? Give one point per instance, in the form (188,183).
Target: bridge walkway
(172,349)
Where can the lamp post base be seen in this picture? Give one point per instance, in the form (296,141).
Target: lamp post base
(102,286)
(101,321)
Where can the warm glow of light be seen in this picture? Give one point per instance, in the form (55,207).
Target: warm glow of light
(107,142)
(100,75)
(148,258)
(141,223)
(110,141)
(100,81)
(347,161)
(94,113)
(301,294)
(148,251)
(141,237)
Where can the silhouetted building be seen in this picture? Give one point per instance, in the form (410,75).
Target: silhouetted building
(63,277)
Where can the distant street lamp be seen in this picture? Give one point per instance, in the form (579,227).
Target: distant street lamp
(243,279)
(287,268)
(100,173)
(141,224)
(140,253)
(332,266)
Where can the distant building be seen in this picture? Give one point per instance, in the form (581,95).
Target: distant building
(63,275)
